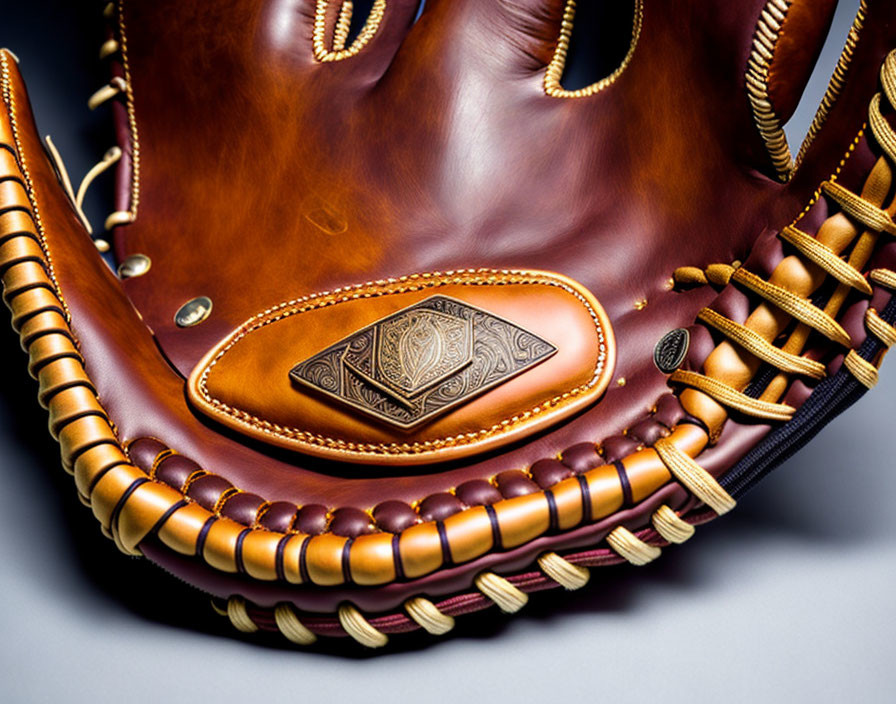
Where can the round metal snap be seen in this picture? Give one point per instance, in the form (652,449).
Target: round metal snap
(193,312)
(134,265)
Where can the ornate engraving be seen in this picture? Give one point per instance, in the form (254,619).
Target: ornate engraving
(422,361)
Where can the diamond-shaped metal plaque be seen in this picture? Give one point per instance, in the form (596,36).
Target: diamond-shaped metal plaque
(422,361)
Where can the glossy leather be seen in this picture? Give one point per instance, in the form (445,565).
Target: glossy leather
(245,382)
(437,148)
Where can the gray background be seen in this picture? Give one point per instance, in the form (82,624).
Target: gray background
(791,597)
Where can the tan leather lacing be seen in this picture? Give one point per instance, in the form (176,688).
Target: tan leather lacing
(861,369)
(757,345)
(728,396)
(110,158)
(880,328)
(104,94)
(339,49)
(794,305)
(427,615)
(867,214)
(637,549)
(691,475)
(562,571)
(506,596)
(631,547)
(716,274)
(359,628)
(824,257)
(858,208)
(116,87)
(66,182)
(239,615)
(768,29)
(291,627)
(671,527)
(884,277)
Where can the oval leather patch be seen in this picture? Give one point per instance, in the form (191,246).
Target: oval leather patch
(424,368)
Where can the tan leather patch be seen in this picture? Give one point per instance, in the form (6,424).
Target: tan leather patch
(424,368)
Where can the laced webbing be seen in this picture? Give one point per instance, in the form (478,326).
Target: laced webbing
(869,216)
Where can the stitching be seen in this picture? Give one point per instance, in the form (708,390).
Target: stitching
(414,282)
(554,74)
(6,94)
(765,40)
(324,55)
(833,177)
(835,86)
(132,115)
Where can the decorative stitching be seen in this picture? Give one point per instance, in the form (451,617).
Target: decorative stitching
(321,53)
(132,117)
(554,73)
(404,284)
(767,122)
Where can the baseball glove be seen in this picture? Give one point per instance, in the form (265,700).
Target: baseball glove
(402,327)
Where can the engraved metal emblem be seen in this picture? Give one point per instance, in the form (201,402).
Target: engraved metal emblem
(423,360)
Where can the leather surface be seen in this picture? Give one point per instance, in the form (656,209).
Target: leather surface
(245,381)
(445,157)
(460,166)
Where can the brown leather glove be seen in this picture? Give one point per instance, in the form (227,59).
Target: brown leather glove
(403,329)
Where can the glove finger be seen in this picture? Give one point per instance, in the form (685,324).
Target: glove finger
(740,68)
(845,107)
(786,44)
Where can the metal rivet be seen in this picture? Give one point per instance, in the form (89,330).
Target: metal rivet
(193,312)
(670,351)
(134,265)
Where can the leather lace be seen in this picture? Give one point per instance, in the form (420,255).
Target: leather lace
(681,465)
(868,215)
